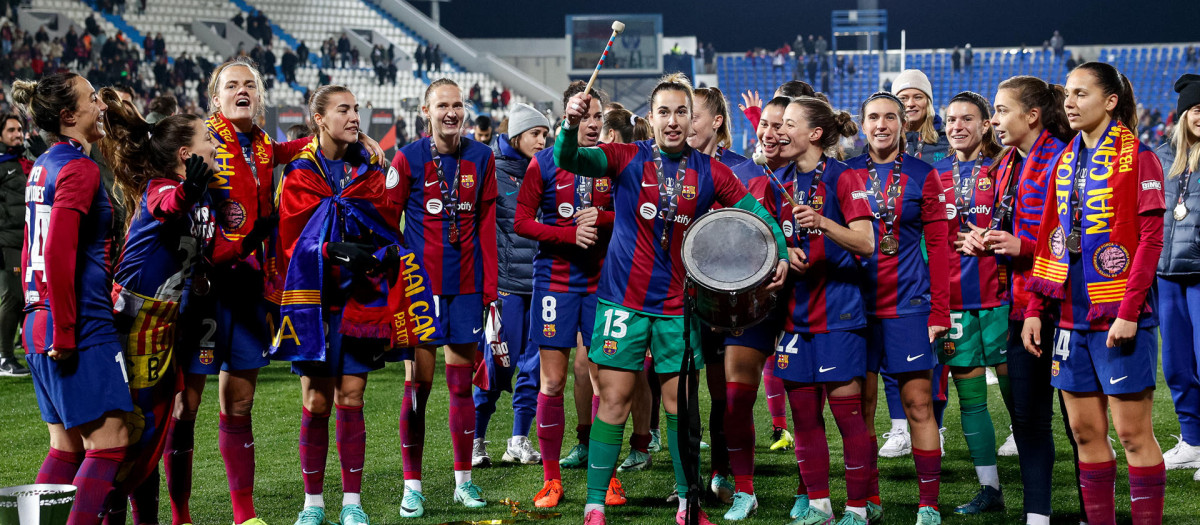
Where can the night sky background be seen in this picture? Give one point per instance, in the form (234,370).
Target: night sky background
(734,26)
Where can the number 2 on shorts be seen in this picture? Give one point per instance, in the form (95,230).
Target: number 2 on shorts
(614,323)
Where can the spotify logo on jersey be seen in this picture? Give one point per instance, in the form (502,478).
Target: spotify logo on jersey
(566,210)
(648,211)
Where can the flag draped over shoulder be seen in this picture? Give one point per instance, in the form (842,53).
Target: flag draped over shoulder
(394,304)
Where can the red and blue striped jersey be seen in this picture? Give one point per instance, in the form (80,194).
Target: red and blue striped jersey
(827,297)
(1073,309)
(638,273)
(976,283)
(904,284)
(75,287)
(465,267)
(165,239)
(552,194)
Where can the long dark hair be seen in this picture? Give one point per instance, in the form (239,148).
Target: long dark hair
(138,151)
(1033,92)
(43,100)
(1115,83)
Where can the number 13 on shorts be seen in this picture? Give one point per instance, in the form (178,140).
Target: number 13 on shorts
(614,323)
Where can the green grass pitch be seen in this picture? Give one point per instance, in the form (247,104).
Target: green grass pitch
(279,492)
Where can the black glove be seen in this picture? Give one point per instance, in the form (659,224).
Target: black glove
(359,258)
(263,227)
(197,177)
(391,259)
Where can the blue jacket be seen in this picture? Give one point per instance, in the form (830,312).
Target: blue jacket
(514,254)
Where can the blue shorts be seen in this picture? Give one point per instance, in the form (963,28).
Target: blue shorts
(761,337)
(461,317)
(558,316)
(819,358)
(227,334)
(899,345)
(81,389)
(1083,362)
(344,355)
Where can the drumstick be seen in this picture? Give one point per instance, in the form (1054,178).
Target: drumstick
(617,28)
(760,158)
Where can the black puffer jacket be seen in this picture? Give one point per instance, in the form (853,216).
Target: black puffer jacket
(1180,258)
(12,205)
(514,253)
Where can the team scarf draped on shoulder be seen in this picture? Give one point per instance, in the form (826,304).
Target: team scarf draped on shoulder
(400,306)
(227,144)
(1024,220)
(1109,222)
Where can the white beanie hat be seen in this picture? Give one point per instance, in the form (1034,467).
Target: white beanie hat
(524,118)
(912,78)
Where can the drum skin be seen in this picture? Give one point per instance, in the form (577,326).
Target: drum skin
(729,256)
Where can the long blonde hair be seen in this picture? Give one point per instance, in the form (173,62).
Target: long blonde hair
(1187,147)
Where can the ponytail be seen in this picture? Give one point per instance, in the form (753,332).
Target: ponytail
(1048,99)
(1115,83)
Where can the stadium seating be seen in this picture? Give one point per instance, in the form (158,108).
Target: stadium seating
(1152,70)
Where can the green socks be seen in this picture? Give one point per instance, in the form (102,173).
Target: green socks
(604,449)
(1006,392)
(676,437)
(976,421)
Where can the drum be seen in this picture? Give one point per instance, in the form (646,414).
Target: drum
(729,256)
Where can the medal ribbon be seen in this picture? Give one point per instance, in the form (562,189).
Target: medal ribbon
(1076,193)
(668,195)
(1003,205)
(886,203)
(964,190)
(1184,181)
(449,189)
(583,189)
(804,197)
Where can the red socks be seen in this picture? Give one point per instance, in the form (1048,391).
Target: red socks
(462,414)
(59,467)
(640,442)
(812,449)
(847,412)
(412,427)
(235,438)
(776,402)
(1098,482)
(873,467)
(314,448)
(1147,487)
(94,484)
(352,446)
(739,433)
(177,466)
(929,475)
(551,416)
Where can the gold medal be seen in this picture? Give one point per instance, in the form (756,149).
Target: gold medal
(201,285)
(1181,211)
(889,245)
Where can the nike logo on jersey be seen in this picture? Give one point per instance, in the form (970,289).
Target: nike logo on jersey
(1115,380)
(428,184)
(651,185)
(476,330)
(1003,351)
(548,426)
(561,186)
(823,369)
(912,358)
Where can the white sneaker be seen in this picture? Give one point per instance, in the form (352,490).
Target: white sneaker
(899,443)
(942,440)
(479,454)
(1009,448)
(520,450)
(1183,456)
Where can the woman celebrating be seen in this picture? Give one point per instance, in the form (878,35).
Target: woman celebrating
(446,185)
(924,134)
(526,136)
(1176,277)
(639,310)
(978,305)
(333,220)
(572,236)
(162,172)
(1099,240)
(72,344)
(906,297)
(824,346)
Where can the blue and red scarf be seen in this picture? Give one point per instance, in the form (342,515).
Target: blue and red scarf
(1024,219)
(1109,223)
(396,307)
